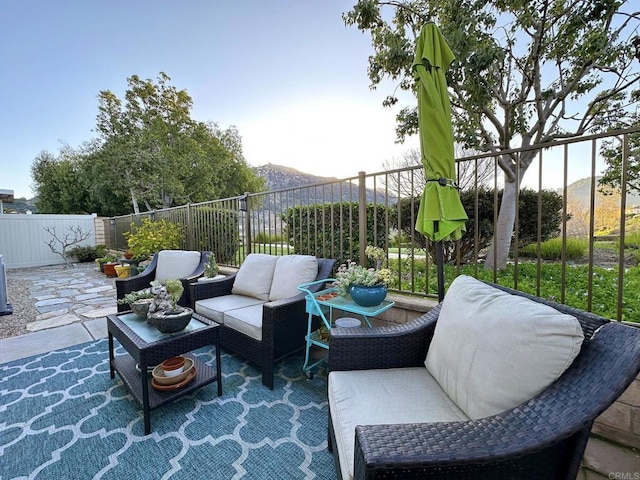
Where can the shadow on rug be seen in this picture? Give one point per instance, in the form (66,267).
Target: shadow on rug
(61,416)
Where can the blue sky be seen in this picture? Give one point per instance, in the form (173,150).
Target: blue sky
(287,73)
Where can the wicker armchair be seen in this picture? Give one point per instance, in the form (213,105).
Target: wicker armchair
(543,438)
(143,280)
(284,324)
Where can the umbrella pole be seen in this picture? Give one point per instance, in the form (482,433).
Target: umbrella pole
(439,264)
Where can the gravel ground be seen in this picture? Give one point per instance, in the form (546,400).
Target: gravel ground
(18,295)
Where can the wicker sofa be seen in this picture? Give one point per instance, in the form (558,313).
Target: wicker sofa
(261,312)
(185,265)
(378,399)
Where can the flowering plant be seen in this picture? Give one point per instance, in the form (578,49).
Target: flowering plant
(151,237)
(351,273)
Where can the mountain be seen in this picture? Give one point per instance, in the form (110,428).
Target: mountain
(580,192)
(279,177)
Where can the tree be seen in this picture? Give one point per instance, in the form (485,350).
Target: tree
(149,154)
(57,183)
(612,153)
(521,69)
(161,156)
(471,174)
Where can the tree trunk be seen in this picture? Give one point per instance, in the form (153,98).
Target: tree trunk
(134,202)
(498,254)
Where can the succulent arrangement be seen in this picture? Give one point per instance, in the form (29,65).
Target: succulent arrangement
(351,273)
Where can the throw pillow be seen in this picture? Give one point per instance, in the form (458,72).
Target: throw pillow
(291,271)
(255,276)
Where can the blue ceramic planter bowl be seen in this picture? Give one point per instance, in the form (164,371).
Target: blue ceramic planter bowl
(366,296)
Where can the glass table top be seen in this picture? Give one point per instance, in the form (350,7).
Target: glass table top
(151,334)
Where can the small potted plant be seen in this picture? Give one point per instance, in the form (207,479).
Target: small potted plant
(366,286)
(106,259)
(164,312)
(139,301)
(211,270)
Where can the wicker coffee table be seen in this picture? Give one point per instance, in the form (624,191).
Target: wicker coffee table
(146,347)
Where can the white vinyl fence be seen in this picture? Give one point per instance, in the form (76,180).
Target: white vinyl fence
(23,238)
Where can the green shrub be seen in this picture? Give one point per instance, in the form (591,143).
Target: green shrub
(87,253)
(631,240)
(216,230)
(150,237)
(552,249)
(528,216)
(331,230)
(266,238)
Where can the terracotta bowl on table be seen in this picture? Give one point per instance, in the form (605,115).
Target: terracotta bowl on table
(161,378)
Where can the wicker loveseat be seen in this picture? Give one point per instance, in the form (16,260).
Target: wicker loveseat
(261,312)
(542,437)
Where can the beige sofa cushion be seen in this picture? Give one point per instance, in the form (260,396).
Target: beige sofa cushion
(388,396)
(492,351)
(291,271)
(255,276)
(175,264)
(214,308)
(247,320)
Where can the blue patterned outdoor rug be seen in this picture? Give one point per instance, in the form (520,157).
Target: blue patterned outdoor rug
(62,417)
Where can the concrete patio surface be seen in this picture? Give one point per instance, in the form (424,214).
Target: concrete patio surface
(43,341)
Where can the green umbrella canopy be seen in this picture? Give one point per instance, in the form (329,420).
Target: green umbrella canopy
(441,215)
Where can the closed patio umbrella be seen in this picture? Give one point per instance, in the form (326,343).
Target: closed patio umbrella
(441,215)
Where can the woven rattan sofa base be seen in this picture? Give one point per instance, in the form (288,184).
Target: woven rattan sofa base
(543,438)
(284,324)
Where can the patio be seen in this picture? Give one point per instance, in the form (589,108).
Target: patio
(85,334)
(88,423)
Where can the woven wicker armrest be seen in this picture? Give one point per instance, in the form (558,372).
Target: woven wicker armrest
(285,302)
(397,346)
(287,315)
(217,288)
(529,439)
(137,282)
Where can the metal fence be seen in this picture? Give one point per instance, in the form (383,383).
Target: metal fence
(338,219)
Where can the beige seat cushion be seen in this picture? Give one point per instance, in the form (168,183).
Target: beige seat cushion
(255,276)
(247,320)
(291,271)
(377,397)
(214,308)
(175,264)
(492,351)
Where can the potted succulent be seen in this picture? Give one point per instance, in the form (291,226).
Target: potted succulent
(366,286)
(211,270)
(139,301)
(164,312)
